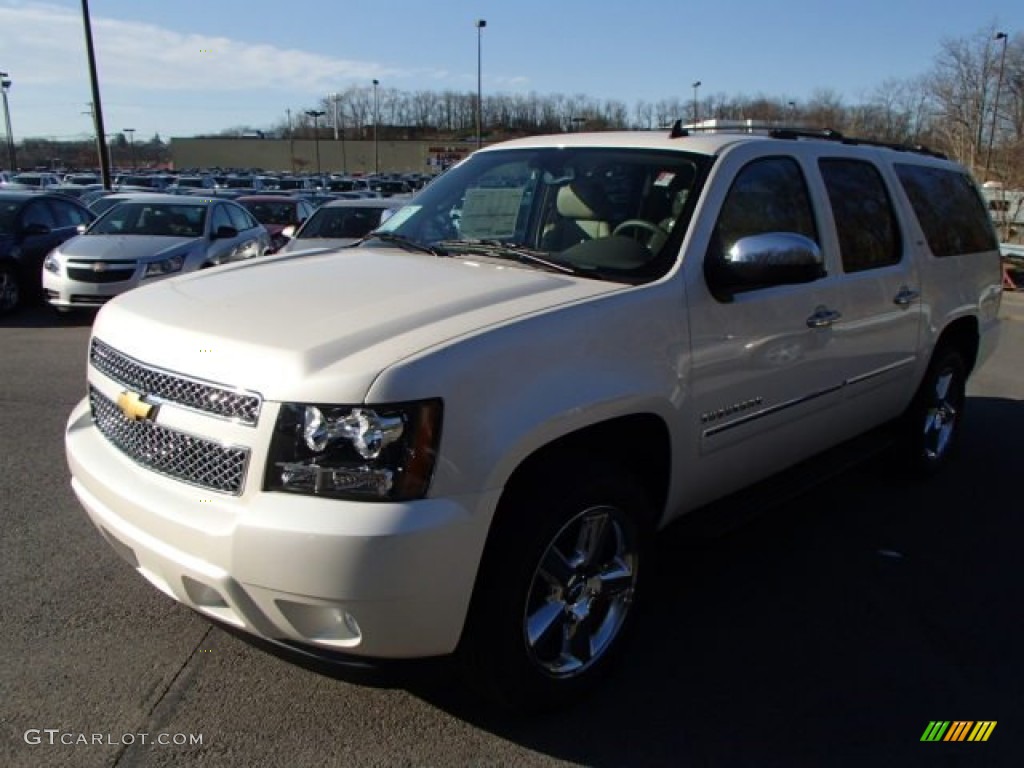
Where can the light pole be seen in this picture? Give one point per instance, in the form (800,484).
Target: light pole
(5,85)
(376,120)
(131,143)
(339,131)
(316,114)
(480,24)
(696,87)
(995,106)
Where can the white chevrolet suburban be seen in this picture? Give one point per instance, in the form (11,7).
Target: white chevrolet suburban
(456,436)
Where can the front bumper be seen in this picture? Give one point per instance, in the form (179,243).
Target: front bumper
(379,580)
(65,293)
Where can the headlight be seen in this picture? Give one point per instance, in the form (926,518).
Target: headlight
(165,266)
(52,264)
(382,452)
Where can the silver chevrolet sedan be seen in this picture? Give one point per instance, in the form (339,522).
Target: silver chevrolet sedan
(145,239)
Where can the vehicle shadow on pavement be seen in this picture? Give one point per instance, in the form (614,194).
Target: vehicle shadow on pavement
(829,630)
(40,316)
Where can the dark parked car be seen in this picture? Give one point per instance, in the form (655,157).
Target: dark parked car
(31,225)
(275,213)
(341,223)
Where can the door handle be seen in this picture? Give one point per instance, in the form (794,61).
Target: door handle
(823,317)
(906,296)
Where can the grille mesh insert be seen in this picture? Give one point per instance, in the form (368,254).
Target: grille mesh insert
(209,398)
(170,452)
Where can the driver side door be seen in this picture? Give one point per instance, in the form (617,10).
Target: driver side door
(764,384)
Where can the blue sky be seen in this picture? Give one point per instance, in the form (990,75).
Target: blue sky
(181,67)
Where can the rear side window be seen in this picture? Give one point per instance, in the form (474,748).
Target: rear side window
(949,208)
(865,224)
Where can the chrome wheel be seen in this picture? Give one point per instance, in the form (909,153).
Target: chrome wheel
(937,414)
(581,591)
(941,417)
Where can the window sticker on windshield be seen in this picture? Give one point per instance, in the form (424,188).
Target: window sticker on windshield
(488,213)
(398,218)
(664,179)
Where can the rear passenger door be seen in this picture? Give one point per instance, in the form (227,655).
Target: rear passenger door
(876,293)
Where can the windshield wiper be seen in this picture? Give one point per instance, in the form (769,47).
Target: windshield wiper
(502,250)
(400,240)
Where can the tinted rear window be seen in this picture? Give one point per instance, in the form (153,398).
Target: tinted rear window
(949,208)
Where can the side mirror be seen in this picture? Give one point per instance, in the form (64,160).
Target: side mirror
(760,261)
(225,233)
(81,228)
(289,231)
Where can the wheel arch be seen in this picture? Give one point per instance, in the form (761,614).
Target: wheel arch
(961,334)
(640,443)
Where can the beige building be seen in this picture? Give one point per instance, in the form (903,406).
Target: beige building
(336,156)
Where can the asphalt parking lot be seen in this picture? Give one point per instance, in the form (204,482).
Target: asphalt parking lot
(827,630)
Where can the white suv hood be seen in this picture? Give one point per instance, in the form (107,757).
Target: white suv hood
(321,327)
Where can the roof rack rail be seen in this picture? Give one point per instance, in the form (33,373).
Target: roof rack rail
(793,133)
(830,135)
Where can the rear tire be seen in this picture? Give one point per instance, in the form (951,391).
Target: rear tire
(553,600)
(935,418)
(10,289)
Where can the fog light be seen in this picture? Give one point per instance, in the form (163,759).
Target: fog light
(322,624)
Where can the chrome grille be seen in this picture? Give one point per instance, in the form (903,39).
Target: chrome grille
(209,398)
(170,452)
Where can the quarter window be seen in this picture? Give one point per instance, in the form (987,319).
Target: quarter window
(950,209)
(865,223)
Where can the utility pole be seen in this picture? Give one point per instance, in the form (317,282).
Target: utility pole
(101,142)
(376,120)
(291,141)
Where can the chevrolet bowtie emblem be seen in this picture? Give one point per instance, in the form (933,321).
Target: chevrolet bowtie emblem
(134,407)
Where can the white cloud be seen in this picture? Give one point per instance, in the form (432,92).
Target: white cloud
(46,42)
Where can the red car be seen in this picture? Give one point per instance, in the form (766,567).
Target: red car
(275,212)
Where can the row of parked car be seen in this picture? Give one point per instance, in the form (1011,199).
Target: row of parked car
(197,180)
(75,255)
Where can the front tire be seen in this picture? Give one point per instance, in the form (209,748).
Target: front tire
(553,601)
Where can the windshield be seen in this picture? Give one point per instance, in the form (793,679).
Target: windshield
(609,213)
(159,219)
